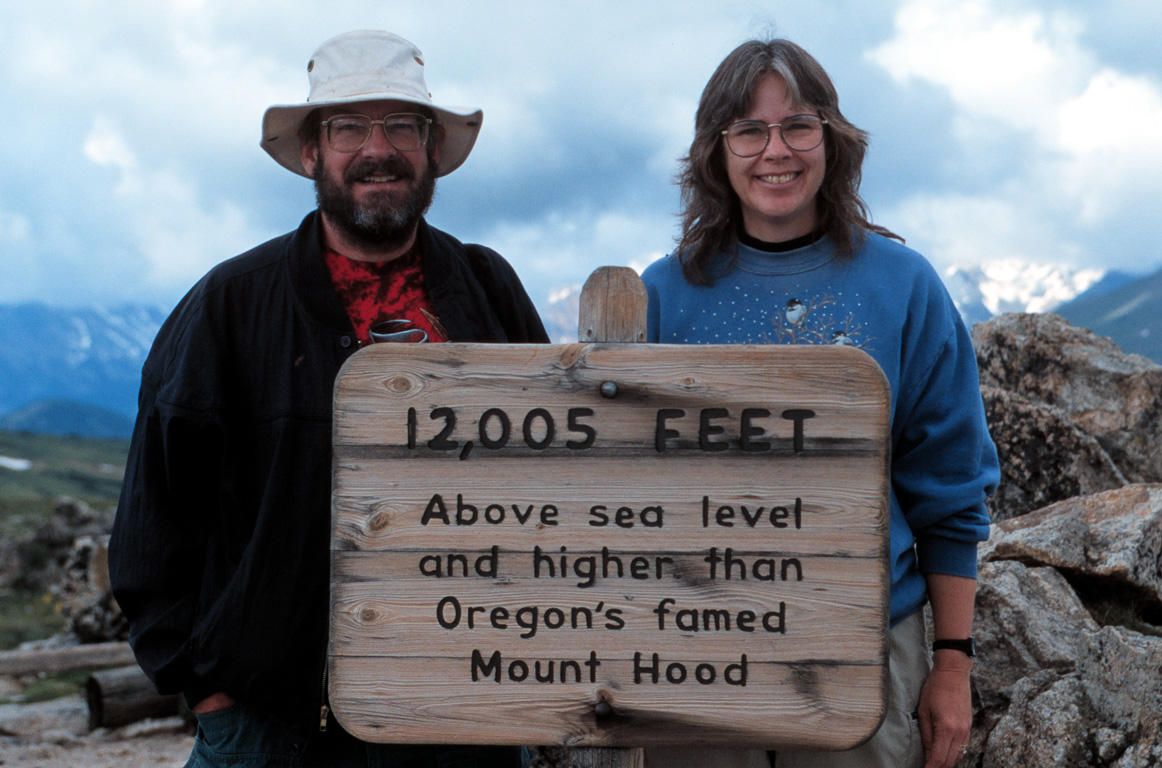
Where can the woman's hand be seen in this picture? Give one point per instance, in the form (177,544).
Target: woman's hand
(945,709)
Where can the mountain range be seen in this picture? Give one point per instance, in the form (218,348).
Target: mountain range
(52,359)
(76,370)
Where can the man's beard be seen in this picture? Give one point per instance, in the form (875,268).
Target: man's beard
(385,219)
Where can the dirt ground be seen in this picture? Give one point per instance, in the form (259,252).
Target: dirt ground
(55,734)
(157,750)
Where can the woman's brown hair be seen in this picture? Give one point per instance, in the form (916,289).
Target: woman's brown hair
(710,207)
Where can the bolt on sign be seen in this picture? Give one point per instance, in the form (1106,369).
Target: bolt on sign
(610,545)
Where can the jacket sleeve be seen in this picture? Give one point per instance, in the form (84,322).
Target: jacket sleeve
(158,549)
(522,323)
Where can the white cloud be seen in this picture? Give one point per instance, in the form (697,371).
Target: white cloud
(973,229)
(14,229)
(1110,145)
(105,146)
(562,249)
(1082,150)
(136,164)
(161,211)
(1006,65)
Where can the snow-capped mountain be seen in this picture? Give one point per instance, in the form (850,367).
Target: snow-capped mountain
(1127,311)
(561,313)
(86,354)
(1015,286)
(93,355)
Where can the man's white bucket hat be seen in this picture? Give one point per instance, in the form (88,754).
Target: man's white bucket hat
(367,65)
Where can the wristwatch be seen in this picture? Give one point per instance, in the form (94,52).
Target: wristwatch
(966,646)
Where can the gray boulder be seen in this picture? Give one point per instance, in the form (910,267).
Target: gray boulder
(68,715)
(1044,456)
(1108,542)
(1112,396)
(11,565)
(1027,620)
(1061,680)
(86,594)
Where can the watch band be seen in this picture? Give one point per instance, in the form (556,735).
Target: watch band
(966,646)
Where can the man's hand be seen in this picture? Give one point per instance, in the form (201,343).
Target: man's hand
(213,703)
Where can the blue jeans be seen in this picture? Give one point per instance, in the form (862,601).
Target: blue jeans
(239,737)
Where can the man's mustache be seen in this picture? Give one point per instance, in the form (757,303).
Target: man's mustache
(395,167)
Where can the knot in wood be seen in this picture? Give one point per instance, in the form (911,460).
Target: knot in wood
(399,384)
(379,522)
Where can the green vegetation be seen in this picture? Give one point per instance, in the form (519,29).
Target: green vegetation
(53,686)
(28,615)
(84,468)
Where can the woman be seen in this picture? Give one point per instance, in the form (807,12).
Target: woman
(776,247)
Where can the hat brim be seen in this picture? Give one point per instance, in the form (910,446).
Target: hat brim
(280,130)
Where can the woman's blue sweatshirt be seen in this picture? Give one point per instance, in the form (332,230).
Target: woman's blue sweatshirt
(888,301)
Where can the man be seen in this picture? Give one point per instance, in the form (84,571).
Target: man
(220,550)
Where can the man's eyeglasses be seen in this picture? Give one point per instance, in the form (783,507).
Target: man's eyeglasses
(405,132)
(747,138)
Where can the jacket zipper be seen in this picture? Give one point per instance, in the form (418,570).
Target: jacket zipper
(325,709)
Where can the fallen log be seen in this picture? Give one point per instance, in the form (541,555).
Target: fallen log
(46,660)
(122,696)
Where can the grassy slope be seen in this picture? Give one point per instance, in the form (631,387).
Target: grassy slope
(84,468)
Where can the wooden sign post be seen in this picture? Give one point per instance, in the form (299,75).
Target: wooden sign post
(610,544)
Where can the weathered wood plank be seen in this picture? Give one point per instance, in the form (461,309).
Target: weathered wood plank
(829,707)
(831,505)
(125,695)
(834,382)
(613,306)
(500,460)
(829,603)
(59,659)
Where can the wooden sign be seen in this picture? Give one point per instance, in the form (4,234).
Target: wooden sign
(610,544)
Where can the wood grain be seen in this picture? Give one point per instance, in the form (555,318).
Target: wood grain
(464,473)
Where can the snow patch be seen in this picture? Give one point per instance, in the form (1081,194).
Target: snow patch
(18,465)
(1011,285)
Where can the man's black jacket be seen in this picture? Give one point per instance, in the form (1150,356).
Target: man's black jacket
(220,549)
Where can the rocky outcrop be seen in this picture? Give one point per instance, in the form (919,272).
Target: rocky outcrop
(1044,456)
(86,595)
(11,565)
(1114,397)
(1107,544)
(45,553)
(1069,601)
(1067,605)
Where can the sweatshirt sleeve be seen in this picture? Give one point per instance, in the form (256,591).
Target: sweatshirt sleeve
(944,463)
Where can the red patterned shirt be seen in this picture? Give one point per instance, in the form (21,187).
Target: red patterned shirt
(372,291)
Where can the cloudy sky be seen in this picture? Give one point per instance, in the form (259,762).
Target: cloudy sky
(1001,129)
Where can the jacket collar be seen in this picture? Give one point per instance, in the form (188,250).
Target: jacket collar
(448,277)
(309,276)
